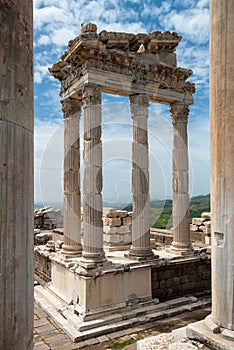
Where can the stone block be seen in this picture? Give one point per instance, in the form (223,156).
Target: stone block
(112,238)
(42,238)
(127,238)
(110,230)
(206,215)
(115,222)
(105,221)
(127,220)
(208,240)
(197,221)
(193,228)
(117,214)
(124,229)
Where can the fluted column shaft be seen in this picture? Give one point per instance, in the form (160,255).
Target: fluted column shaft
(72,225)
(222,164)
(92,186)
(140,178)
(16,175)
(180,209)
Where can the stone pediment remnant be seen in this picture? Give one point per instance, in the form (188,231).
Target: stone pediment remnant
(124,64)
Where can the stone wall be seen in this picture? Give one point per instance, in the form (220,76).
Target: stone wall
(42,265)
(201,227)
(117,227)
(179,278)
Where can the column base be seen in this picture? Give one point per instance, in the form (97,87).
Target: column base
(178,248)
(70,252)
(93,260)
(214,328)
(210,334)
(140,254)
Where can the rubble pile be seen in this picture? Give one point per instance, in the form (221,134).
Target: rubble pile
(47,218)
(203,224)
(117,227)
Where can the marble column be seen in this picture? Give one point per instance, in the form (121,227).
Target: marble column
(140,248)
(180,209)
(222,165)
(16,175)
(93,253)
(72,221)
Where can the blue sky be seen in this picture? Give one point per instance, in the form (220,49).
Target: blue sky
(55,23)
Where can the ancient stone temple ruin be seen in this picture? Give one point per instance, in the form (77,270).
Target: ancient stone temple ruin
(16,128)
(96,283)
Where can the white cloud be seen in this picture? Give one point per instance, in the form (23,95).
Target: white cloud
(194,23)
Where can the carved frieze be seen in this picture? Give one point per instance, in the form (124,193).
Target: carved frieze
(117,53)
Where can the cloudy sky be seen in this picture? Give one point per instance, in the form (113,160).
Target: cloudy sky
(55,23)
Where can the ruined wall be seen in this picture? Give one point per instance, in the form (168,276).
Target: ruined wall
(180,278)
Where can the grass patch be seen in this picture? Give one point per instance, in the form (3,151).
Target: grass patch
(118,345)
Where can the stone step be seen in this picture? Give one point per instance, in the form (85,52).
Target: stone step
(78,330)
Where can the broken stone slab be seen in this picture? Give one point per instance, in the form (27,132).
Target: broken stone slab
(42,238)
(206,215)
(197,221)
(194,228)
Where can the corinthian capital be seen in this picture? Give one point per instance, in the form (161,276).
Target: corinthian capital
(70,106)
(179,112)
(91,94)
(139,104)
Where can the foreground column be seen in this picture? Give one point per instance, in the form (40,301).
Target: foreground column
(72,227)
(222,164)
(140,248)
(16,175)
(180,211)
(93,252)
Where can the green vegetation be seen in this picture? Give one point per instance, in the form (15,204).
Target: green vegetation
(161,211)
(161,217)
(118,345)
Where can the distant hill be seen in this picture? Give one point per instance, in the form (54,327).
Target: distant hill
(161,211)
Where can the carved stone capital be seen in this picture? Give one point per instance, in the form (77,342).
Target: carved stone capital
(139,104)
(179,113)
(70,106)
(91,95)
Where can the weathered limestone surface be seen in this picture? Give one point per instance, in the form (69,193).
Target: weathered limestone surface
(222,165)
(221,319)
(72,206)
(140,178)
(16,179)
(180,211)
(92,186)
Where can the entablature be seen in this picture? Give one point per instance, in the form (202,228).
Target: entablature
(121,62)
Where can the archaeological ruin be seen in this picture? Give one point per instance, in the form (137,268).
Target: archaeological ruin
(92,290)
(97,275)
